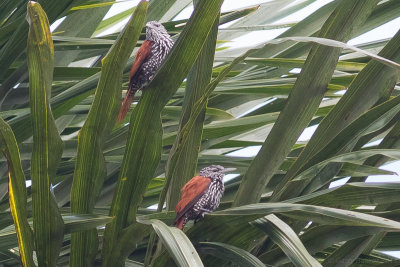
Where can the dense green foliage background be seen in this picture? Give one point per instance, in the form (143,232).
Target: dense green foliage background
(75,187)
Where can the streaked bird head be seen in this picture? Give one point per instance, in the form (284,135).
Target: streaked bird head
(215,171)
(155,31)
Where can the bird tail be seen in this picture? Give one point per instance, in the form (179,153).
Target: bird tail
(126,104)
(179,223)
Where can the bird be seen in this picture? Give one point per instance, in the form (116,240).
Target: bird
(148,60)
(201,195)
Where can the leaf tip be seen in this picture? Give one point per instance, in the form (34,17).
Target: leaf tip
(32,3)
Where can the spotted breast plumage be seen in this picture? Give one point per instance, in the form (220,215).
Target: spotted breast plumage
(201,195)
(148,60)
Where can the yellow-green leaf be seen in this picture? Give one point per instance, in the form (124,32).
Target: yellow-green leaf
(47,145)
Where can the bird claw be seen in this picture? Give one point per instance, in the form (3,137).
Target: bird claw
(205,211)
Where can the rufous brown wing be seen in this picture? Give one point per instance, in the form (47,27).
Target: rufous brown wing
(141,57)
(191,193)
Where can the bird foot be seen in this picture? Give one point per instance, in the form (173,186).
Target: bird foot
(205,211)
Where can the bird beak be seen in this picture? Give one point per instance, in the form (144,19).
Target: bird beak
(228,169)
